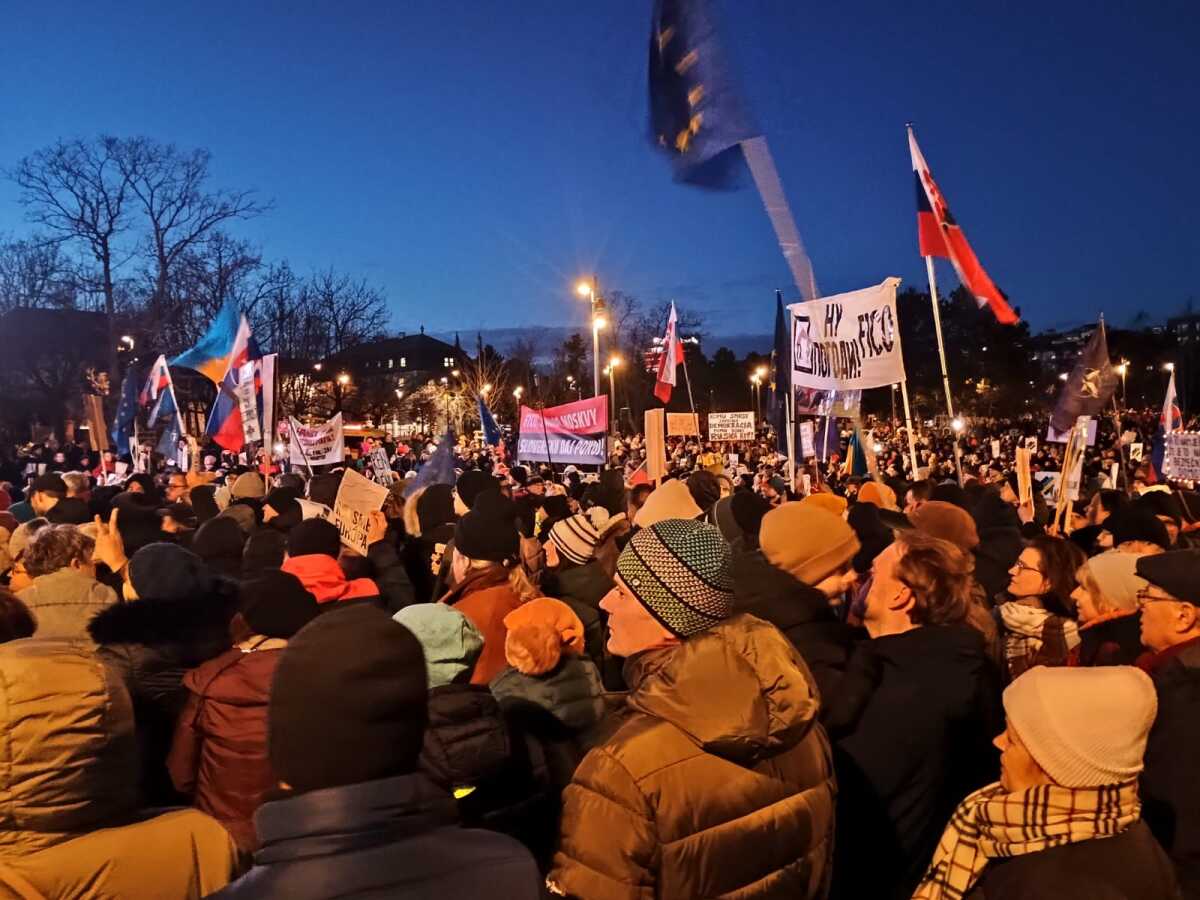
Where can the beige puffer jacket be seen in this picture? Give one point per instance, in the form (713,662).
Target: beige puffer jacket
(68,785)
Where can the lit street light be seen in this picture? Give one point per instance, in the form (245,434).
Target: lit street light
(487,389)
(590,290)
(1063,376)
(610,370)
(316,367)
(1169,367)
(957,424)
(1122,369)
(517,392)
(343,379)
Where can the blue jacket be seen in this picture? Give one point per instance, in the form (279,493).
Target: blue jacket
(395,838)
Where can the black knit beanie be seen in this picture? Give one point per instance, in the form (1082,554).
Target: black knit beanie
(487,535)
(472,483)
(704,488)
(276,604)
(314,536)
(348,701)
(435,507)
(169,572)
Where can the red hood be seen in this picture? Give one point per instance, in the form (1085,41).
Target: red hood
(324,579)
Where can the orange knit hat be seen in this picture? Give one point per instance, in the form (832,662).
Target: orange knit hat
(538,633)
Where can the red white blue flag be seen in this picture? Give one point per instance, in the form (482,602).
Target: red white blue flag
(938,234)
(225,420)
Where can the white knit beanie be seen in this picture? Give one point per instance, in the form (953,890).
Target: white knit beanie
(1084,727)
(577,537)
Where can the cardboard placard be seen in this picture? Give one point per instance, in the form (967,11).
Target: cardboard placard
(1031,444)
(683,425)
(656,444)
(357,498)
(1135,452)
(1024,482)
(734,426)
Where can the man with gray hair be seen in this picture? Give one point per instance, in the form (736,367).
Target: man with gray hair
(64,594)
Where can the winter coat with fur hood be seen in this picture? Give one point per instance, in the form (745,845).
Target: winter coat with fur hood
(152,644)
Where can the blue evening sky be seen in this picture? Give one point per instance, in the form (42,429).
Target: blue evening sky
(473,158)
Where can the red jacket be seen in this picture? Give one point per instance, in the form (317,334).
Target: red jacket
(220,750)
(324,579)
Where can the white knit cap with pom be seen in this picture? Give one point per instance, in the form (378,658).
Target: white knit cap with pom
(1084,727)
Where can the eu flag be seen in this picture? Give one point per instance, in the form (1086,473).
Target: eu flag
(696,114)
(127,409)
(440,467)
(491,431)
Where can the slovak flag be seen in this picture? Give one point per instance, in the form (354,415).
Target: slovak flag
(225,420)
(157,381)
(1170,421)
(672,355)
(938,234)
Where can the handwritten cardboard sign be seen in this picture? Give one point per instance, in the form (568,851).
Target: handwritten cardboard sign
(357,498)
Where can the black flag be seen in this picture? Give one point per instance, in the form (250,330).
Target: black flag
(1090,386)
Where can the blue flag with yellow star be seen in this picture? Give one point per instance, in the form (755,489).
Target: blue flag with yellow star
(696,113)
(127,408)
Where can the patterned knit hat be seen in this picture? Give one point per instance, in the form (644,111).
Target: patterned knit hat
(678,569)
(577,537)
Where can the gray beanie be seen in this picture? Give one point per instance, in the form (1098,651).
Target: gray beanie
(450,642)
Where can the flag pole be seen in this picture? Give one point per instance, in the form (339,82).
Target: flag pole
(937,328)
(770,191)
(912,438)
(688,381)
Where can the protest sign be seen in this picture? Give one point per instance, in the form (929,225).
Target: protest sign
(1024,482)
(656,445)
(1031,444)
(995,449)
(1054,436)
(1135,452)
(573,433)
(848,341)
(247,400)
(357,498)
(683,424)
(380,467)
(1182,459)
(317,445)
(734,426)
(807,449)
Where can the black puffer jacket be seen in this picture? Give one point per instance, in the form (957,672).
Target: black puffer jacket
(152,644)
(801,612)
(470,752)
(1000,542)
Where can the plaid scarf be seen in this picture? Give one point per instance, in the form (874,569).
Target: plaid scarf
(992,824)
(1023,626)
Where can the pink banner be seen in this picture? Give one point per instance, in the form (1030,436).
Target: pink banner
(572,433)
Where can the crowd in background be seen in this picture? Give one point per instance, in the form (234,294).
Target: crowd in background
(545,682)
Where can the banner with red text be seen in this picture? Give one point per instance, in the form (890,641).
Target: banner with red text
(573,433)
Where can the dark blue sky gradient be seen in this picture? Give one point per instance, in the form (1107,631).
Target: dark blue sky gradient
(473,158)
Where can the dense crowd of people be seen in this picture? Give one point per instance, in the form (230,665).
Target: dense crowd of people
(540,682)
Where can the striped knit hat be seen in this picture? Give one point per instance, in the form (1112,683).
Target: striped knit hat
(679,570)
(578,536)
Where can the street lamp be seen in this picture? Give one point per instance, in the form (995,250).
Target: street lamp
(343,379)
(755,395)
(487,389)
(517,392)
(1169,367)
(590,290)
(611,369)
(957,424)
(1122,369)
(316,367)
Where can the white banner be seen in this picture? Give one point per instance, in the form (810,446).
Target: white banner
(1182,458)
(807,448)
(849,341)
(734,426)
(357,498)
(248,402)
(317,445)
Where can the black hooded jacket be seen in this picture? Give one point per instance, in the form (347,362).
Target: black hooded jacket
(801,612)
(1000,542)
